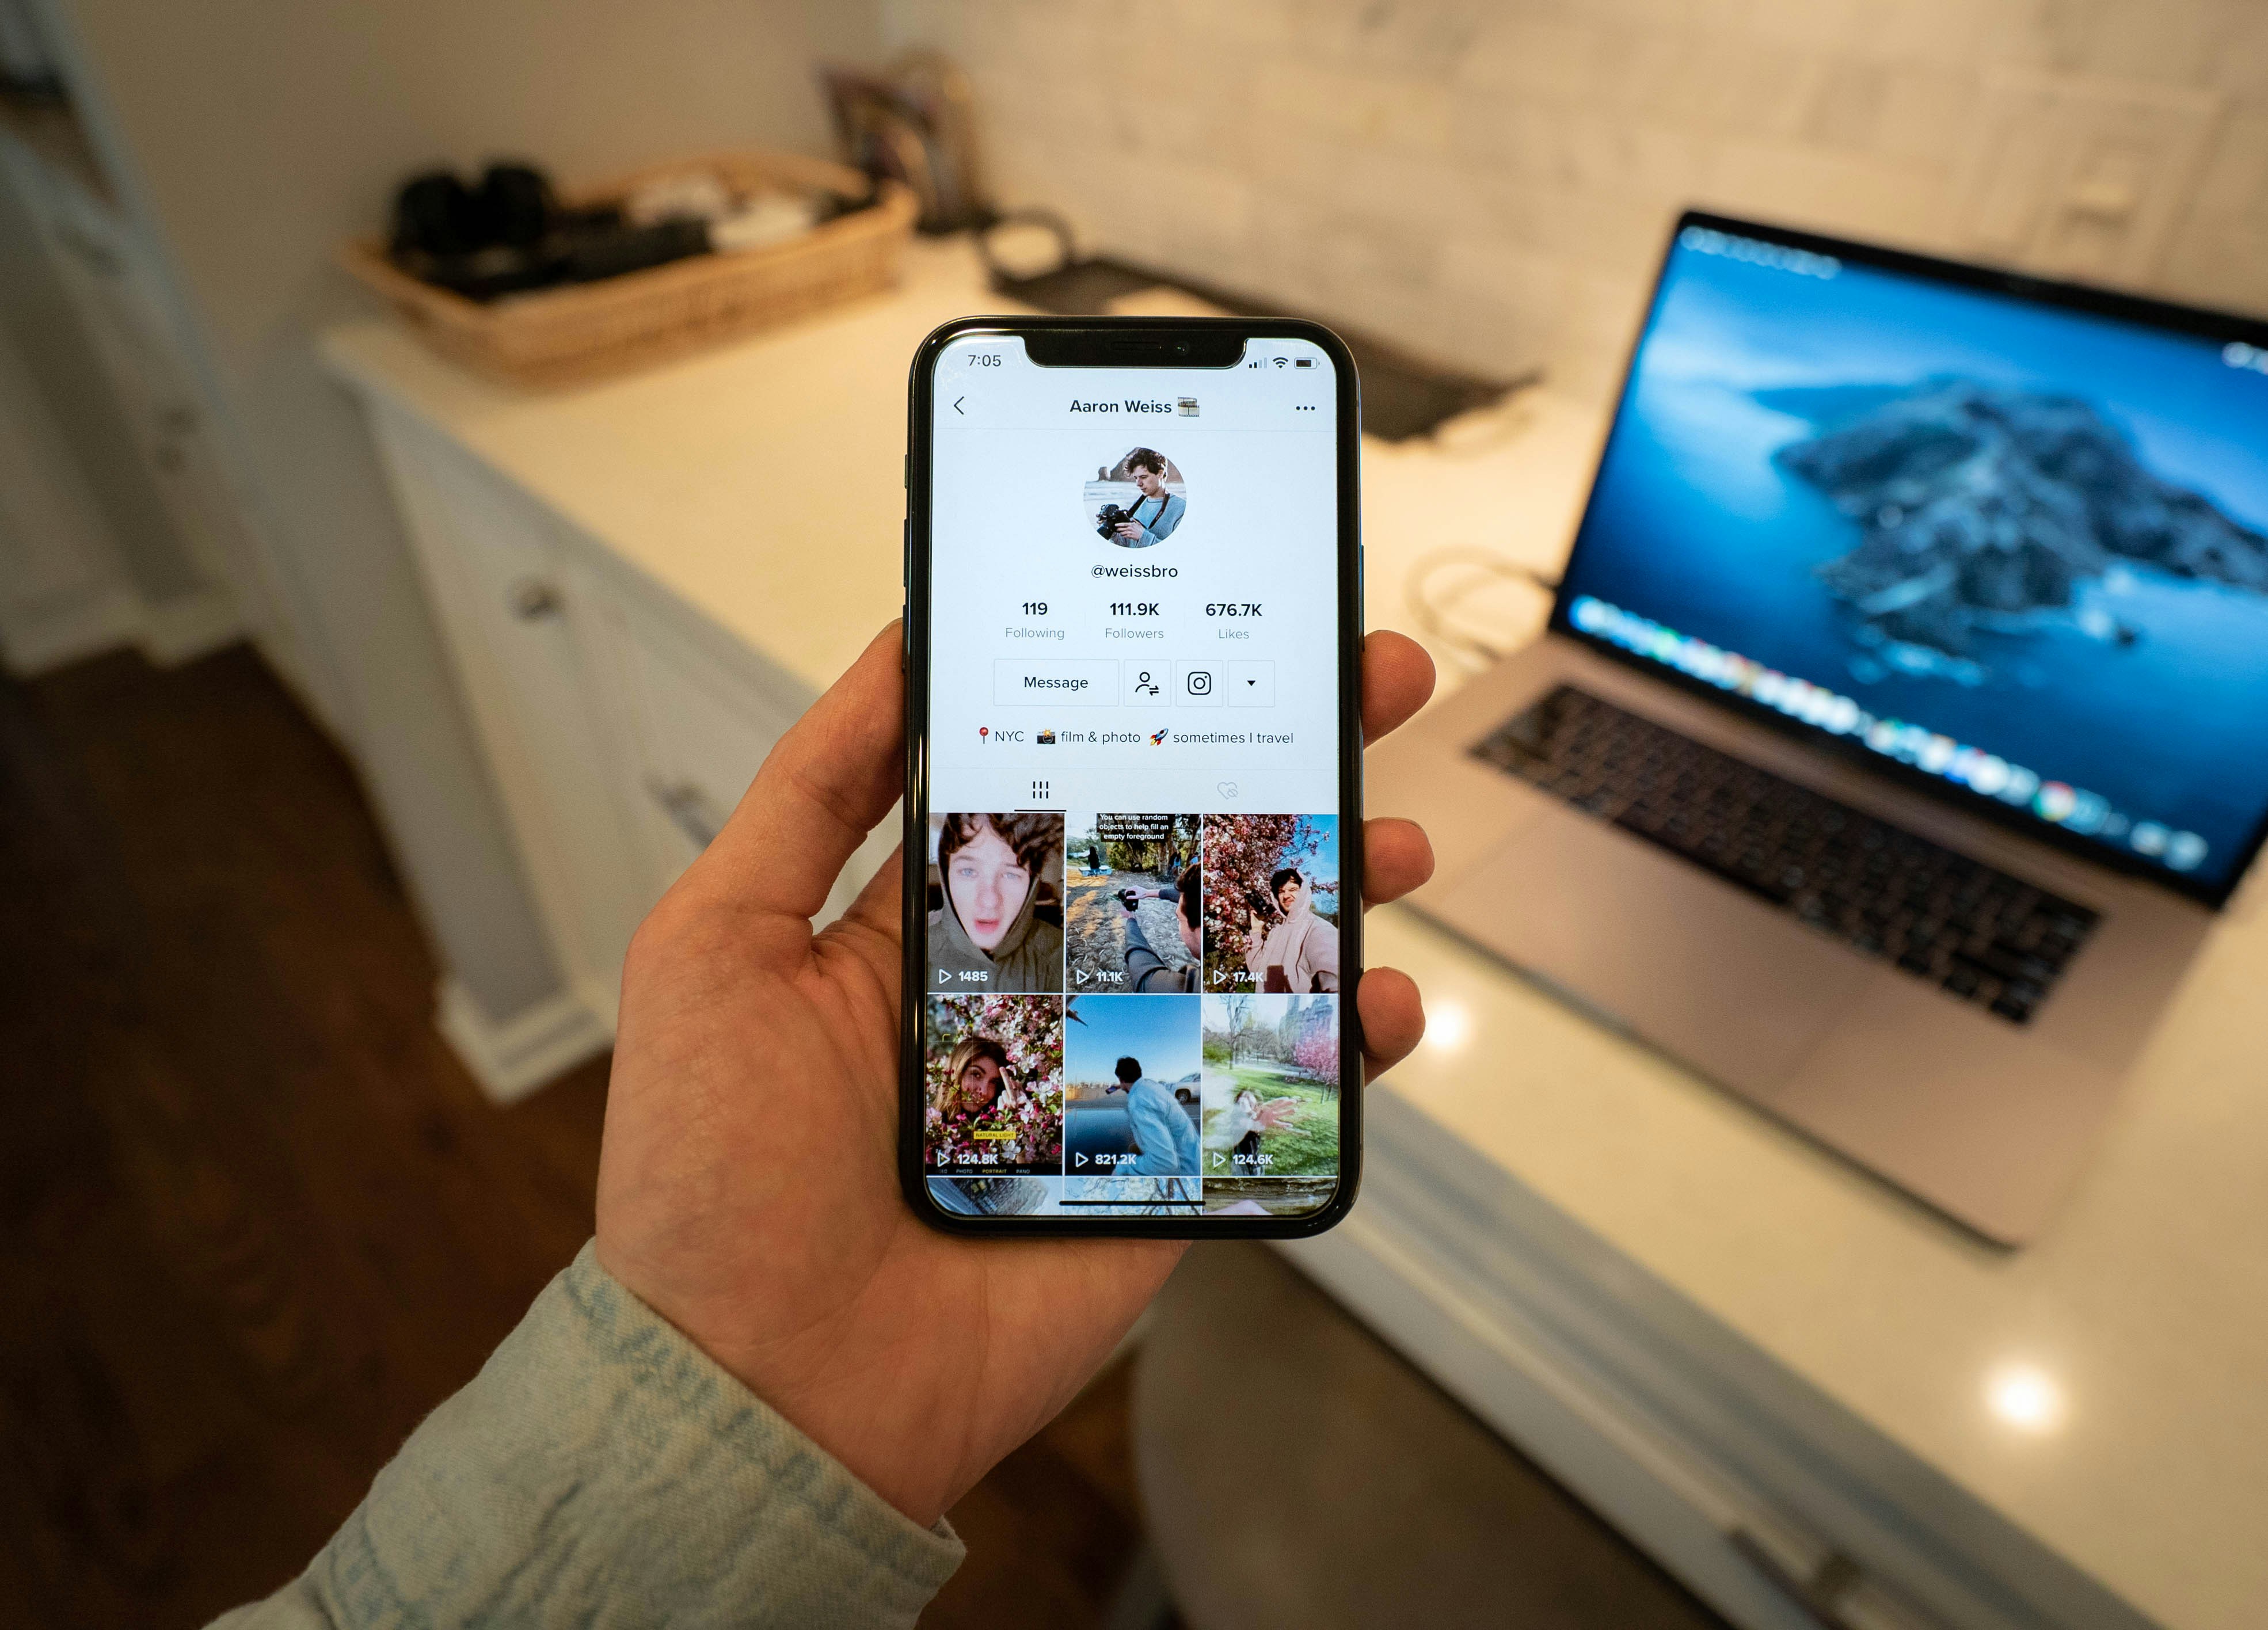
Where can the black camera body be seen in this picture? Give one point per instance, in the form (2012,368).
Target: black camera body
(1109,519)
(1128,899)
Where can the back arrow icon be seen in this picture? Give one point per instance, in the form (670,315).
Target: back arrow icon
(957,407)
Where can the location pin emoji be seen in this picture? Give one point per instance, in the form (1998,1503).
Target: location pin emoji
(983,731)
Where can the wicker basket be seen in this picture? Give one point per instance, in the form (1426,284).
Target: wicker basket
(587,331)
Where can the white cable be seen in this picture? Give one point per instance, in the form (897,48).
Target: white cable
(1434,609)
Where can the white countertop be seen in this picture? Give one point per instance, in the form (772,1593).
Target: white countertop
(2143,1312)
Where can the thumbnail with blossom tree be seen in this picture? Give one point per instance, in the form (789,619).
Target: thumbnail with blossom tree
(993,1084)
(1245,855)
(1271,1103)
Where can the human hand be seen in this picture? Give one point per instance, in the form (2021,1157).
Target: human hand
(748,1185)
(1130,531)
(1275,1114)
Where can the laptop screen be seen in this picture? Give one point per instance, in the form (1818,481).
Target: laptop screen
(2017,543)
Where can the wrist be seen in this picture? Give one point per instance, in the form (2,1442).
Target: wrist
(794,1384)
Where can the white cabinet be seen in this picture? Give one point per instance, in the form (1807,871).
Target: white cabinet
(699,736)
(502,586)
(698,712)
(184,565)
(621,726)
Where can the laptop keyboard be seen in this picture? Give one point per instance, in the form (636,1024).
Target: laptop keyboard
(1983,935)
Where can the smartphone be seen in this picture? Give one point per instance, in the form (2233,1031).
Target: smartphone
(1133,632)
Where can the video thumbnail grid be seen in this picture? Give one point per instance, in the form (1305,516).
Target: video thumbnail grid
(1132,1014)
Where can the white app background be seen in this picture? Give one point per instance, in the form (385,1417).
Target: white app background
(1109,664)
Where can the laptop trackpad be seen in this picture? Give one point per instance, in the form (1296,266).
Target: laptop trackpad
(1737,989)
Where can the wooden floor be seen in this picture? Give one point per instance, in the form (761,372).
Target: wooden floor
(255,1219)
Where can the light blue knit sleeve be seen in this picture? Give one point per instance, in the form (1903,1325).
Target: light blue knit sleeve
(602,1471)
(1169,516)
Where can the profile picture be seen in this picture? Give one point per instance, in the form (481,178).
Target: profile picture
(992,1084)
(1271,1087)
(1133,1086)
(1271,903)
(1138,501)
(994,903)
(1134,919)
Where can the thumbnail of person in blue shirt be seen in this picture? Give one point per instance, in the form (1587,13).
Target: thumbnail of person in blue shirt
(1157,511)
(1164,1137)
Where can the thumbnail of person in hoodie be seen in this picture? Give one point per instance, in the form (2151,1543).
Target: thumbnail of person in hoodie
(985,937)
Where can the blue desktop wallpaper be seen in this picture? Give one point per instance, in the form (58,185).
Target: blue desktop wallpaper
(2042,533)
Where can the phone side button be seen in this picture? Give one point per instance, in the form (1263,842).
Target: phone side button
(906,553)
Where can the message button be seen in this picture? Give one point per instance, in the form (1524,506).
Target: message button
(1020,684)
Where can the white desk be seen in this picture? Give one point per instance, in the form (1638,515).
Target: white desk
(1623,1267)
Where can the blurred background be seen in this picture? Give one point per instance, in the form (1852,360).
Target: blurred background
(368,677)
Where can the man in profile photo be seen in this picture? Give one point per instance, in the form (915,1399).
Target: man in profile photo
(1299,951)
(1157,511)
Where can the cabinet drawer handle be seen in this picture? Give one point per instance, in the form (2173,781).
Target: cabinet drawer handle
(1821,1595)
(688,807)
(532,598)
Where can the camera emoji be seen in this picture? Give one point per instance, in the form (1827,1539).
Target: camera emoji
(1200,682)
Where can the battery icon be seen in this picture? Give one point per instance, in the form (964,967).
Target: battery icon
(1304,361)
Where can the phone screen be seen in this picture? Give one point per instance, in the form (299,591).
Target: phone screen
(1135,944)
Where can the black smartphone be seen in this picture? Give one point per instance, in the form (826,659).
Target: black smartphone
(1133,637)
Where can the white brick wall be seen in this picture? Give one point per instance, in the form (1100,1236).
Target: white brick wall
(1491,182)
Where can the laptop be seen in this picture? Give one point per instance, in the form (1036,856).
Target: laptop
(1902,721)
